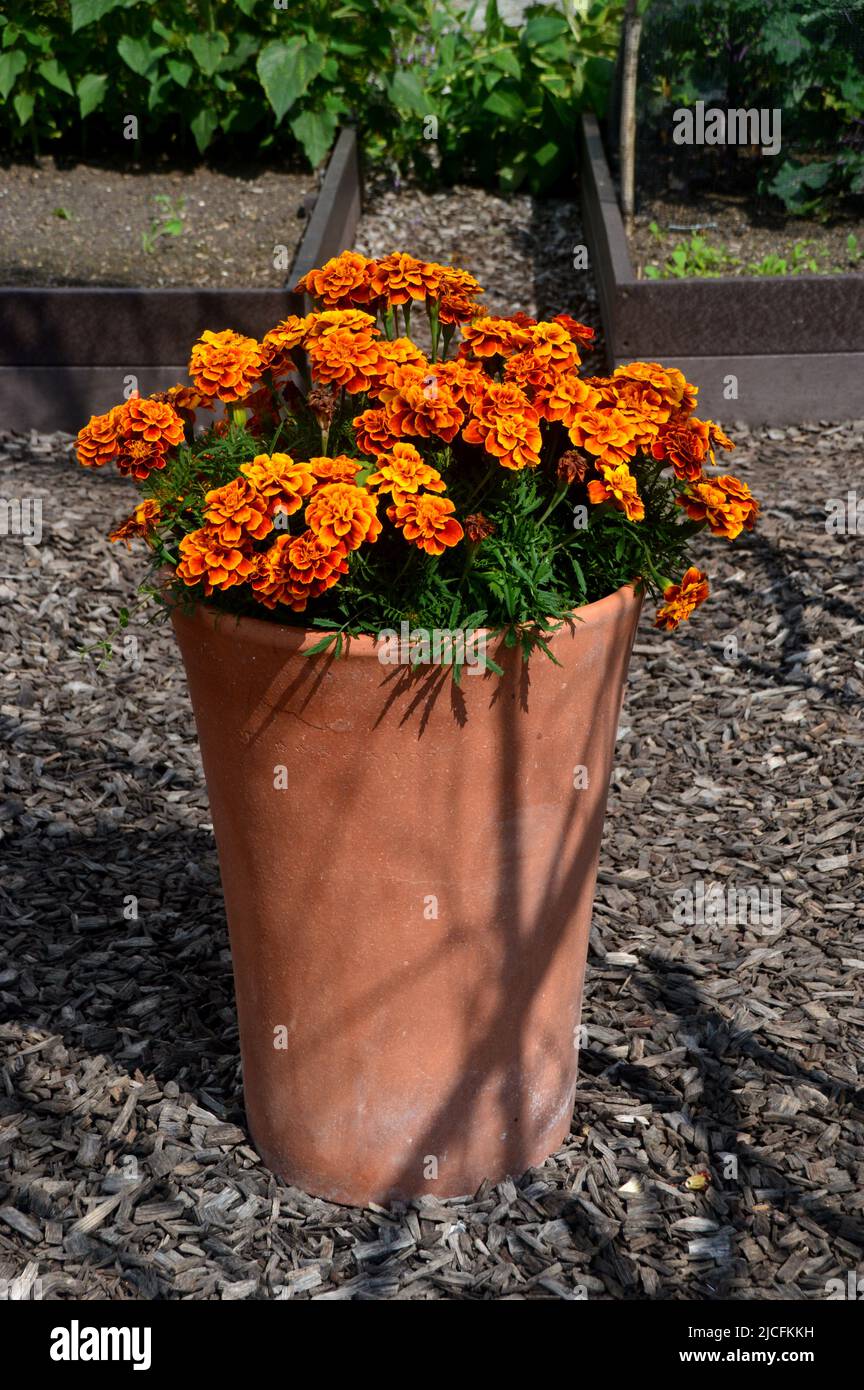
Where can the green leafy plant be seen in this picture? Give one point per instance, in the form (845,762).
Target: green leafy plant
(694,257)
(168,221)
(438,88)
(802,57)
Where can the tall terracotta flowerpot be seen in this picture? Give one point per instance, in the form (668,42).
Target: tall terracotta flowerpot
(409,870)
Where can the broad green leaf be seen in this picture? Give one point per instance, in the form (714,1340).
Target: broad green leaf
(407,94)
(57,76)
(138,55)
(180,71)
(204,127)
(91,92)
(24,103)
(508,105)
(315,131)
(247,6)
(543,28)
(88,11)
(11,64)
(286,70)
(208,50)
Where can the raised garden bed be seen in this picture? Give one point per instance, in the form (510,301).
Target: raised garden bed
(791,345)
(66,350)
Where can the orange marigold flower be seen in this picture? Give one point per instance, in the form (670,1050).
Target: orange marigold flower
(343,278)
(205,556)
(492,337)
(464,379)
(185,400)
(355,320)
(403,470)
(142,522)
(552,345)
(579,332)
(606,433)
(339,469)
(399,277)
(506,426)
(225,364)
(280,480)
(670,385)
(427,521)
(718,438)
(725,503)
(296,569)
(618,487)
(372,434)
(531,372)
(345,358)
(341,513)
(685,444)
(153,421)
(138,458)
(457,293)
(682,599)
(565,399)
(238,511)
(420,403)
(279,343)
(399,352)
(96,444)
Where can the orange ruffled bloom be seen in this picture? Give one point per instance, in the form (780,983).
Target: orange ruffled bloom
(96,444)
(725,503)
(340,280)
(278,344)
(606,433)
(506,426)
(346,358)
(398,278)
(426,521)
(685,444)
(225,364)
(155,422)
(420,403)
(372,434)
(205,556)
(238,512)
(296,569)
(682,599)
(339,469)
(492,337)
(343,514)
(618,486)
(403,471)
(280,480)
(138,459)
(457,295)
(142,522)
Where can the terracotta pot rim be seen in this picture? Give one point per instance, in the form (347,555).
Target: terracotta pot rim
(298,639)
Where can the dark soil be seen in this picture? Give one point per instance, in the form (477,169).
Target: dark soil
(729,222)
(85,225)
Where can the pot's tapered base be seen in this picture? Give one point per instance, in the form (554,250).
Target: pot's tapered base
(409,871)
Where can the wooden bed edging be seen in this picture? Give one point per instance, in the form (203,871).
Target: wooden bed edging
(793,344)
(65,351)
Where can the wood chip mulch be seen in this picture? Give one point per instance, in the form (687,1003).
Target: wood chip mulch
(732,1052)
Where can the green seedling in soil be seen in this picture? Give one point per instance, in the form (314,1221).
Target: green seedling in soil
(63,213)
(168,221)
(693,258)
